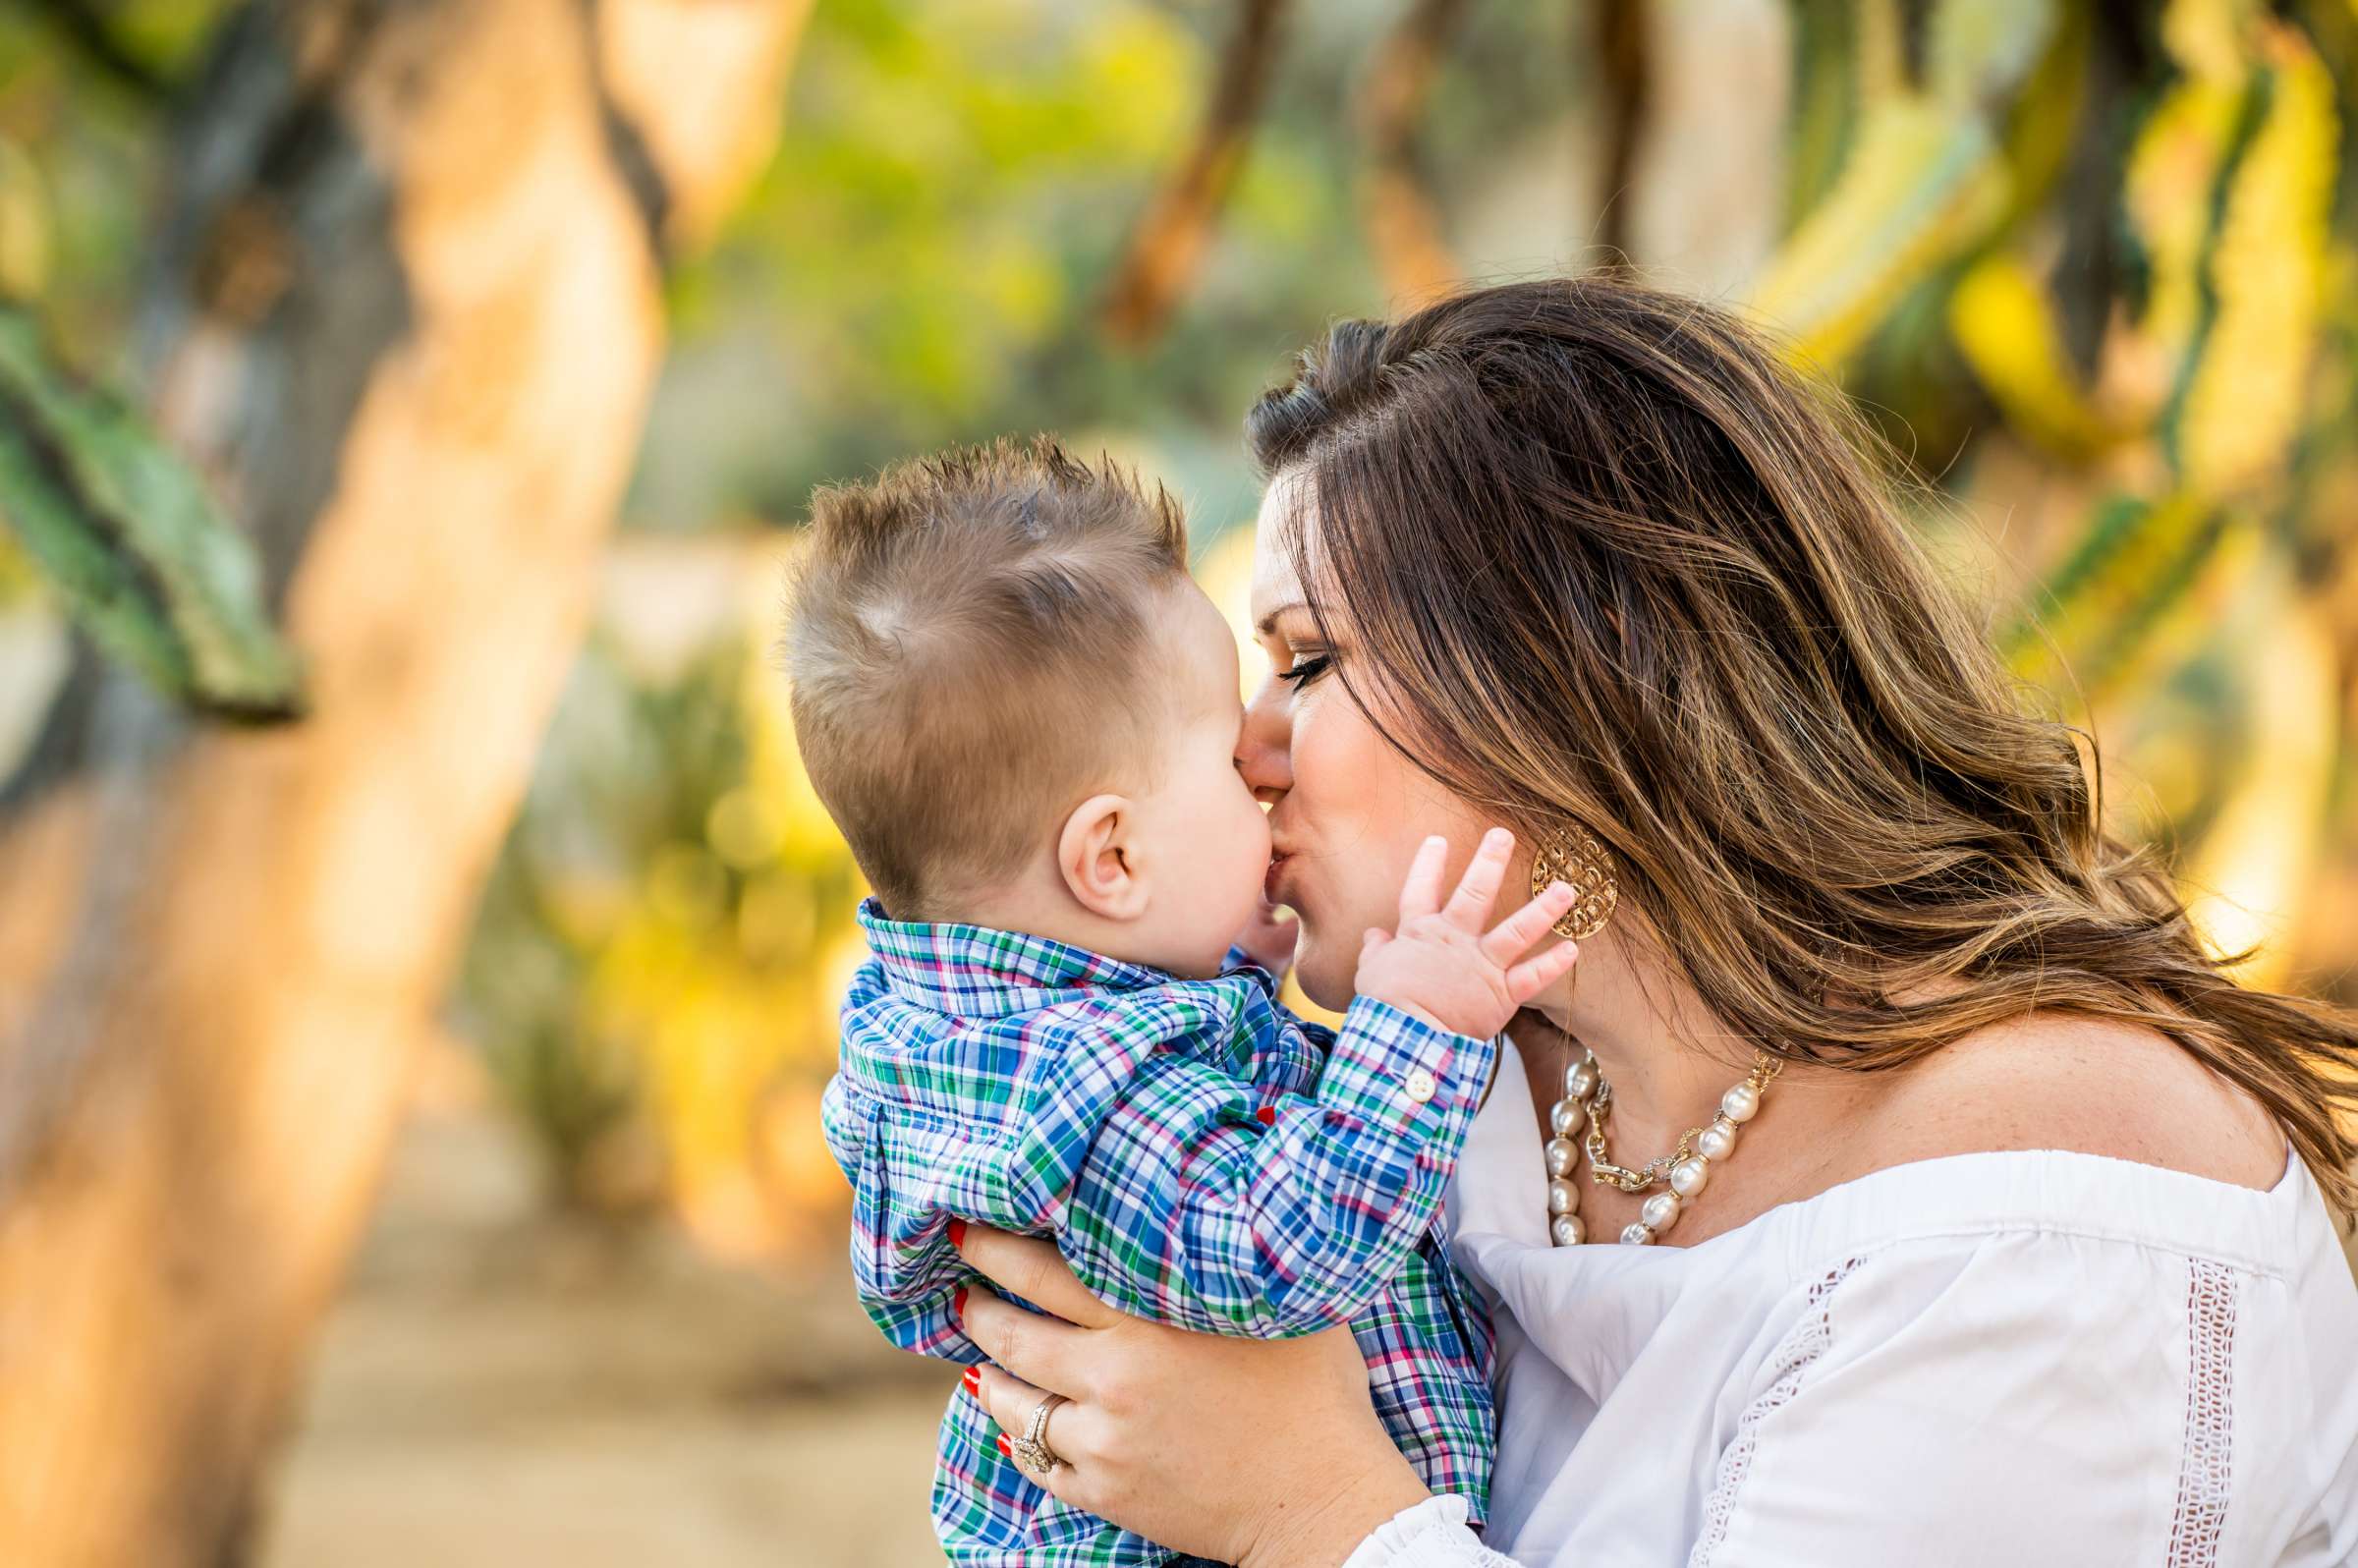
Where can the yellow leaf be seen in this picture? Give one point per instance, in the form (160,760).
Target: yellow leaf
(2005,328)
(2242,406)
(1922,184)
(24,225)
(1883,52)
(2208,37)
(2167,193)
(2137,561)
(2249,876)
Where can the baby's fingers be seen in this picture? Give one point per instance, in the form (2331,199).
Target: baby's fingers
(1421,889)
(1477,889)
(1509,938)
(1534,976)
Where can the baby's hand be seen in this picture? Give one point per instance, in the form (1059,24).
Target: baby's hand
(1440,966)
(1268,938)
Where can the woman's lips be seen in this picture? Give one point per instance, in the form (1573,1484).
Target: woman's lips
(1268,880)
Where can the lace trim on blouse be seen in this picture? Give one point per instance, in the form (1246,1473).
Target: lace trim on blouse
(2207,1446)
(2208,1443)
(1802,1345)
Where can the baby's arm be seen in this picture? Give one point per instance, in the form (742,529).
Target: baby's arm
(1200,1207)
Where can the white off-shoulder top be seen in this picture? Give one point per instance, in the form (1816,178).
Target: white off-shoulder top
(2014,1358)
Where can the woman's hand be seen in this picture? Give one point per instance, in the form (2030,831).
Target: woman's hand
(1263,1453)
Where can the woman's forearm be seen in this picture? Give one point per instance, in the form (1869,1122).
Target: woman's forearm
(1264,1453)
(1324,1533)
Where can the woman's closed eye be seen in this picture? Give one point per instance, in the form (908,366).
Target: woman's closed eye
(1304,669)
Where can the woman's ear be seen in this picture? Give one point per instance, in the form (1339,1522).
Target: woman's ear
(1097,858)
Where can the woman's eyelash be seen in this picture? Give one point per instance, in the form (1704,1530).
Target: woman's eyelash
(1306,670)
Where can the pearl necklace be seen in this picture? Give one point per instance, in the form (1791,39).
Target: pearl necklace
(1589,1098)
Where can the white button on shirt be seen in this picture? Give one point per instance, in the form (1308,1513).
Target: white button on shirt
(2021,1358)
(1420,1086)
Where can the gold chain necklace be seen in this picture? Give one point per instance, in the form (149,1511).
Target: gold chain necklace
(1589,1098)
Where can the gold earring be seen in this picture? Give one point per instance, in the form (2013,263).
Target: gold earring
(1577,858)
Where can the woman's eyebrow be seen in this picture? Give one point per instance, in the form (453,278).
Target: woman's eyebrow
(1268,623)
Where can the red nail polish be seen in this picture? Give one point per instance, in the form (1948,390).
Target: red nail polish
(957,1233)
(1267,1116)
(1004,1448)
(958,1304)
(973,1379)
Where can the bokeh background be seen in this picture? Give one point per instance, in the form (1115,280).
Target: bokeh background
(417,941)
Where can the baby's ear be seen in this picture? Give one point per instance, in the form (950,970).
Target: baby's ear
(1097,860)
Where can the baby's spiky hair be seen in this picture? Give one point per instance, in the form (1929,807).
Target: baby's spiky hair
(970,643)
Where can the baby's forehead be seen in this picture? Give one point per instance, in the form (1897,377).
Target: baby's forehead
(1195,625)
(1199,650)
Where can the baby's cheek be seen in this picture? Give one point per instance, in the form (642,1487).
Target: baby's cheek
(1256,826)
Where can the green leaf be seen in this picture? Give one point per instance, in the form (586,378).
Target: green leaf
(138,551)
(1825,101)
(2137,560)
(1979,51)
(2044,122)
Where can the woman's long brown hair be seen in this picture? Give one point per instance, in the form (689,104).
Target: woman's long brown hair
(1615,564)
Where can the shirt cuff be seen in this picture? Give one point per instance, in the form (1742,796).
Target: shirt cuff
(1393,1069)
(1431,1534)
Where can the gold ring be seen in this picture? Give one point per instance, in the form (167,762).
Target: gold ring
(1031,1451)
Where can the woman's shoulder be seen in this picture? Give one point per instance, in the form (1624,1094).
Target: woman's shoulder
(2081,1084)
(2095,1158)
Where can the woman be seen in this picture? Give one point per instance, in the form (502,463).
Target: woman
(2010,1237)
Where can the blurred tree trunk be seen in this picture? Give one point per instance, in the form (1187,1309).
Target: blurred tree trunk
(405,311)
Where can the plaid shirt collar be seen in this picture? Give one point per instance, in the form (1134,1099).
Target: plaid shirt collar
(977,971)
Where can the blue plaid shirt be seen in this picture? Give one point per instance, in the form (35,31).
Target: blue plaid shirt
(1202,1157)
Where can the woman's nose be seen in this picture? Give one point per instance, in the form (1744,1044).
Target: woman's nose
(1263,745)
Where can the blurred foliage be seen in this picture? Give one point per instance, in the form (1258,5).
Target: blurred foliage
(79,151)
(2193,426)
(127,535)
(2090,267)
(927,260)
(975,166)
(660,945)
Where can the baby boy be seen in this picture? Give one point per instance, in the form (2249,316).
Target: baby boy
(1023,715)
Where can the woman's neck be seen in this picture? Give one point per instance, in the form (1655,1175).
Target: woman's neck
(1666,1056)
